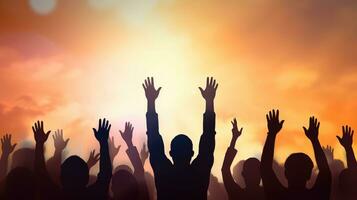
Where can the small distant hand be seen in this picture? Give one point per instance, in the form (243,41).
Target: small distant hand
(235,132)
(150,92)
(127,135)
(347,137)
(209,92)
(274,124)
(6,146)
(39,134)
(59,143)
(313,131)
(113,150)
(93,159)
(328,150)
(102,134)
(144,153)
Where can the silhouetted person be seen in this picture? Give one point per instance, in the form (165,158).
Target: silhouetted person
(348,177)
(74,170)
(144,155)
(54,163)
(336,167)
(6,149)
(124,184)
(113,150)
(182,179)
(250,173)
(298,166)
(216,189)
(23,157)
(20,185)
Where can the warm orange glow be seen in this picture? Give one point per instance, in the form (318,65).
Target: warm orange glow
(87,59)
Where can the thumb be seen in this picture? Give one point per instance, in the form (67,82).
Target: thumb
(282,122)
(48,133)
(200,89)
(13,147)
(305,130)
(66,142)
(339,139)
(158,90)
(95,131)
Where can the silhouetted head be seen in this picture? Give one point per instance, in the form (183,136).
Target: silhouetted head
(124,185)
(74,173)
(20,184)
(181,150)
(298,168)
(336,167)
(123,167)
(251,172)
(23,157)
(347,184)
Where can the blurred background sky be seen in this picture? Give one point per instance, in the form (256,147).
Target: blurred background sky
(70,62)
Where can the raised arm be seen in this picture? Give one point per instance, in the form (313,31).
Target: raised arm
(144,154)
(346,141)
(270,181)
(92,159)
(323,180)
(7,148)
(113,150)
(231,186)
(328,151)
(155,142)
(54,163)
(207,141)
(134,157)
(105,165)
(44,183)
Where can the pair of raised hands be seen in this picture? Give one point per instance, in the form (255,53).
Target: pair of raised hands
(275,125)
(152,93)
(101,134)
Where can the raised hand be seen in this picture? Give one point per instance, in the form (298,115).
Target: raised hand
(102,134)
(144,153)
(328,150)
(127,135)
(113,150)
(313,131)
(39,134)
(150,92)
(210,91)
(274,124)
(347,137)
(59,143)
(6,146)
(235,132)
(93,159)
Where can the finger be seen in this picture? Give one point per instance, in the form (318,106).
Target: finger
(110,126)
(95,131)
(214,83)
(33,129)
(241,130)
(48,133)
(339,139)
(13,146)
(282,122)
(274,116)
(100,123)
(41,124)
(270,115)
(200,89)
(146,83)
(207,81)
(66,142)
(144,86)
(304,129)
(152,81)
(158,90)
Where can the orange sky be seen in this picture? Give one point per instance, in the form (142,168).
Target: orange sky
(71,62)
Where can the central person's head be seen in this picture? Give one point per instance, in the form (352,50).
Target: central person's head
(181,150)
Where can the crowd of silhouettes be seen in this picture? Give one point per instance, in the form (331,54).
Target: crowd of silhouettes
(29,176)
